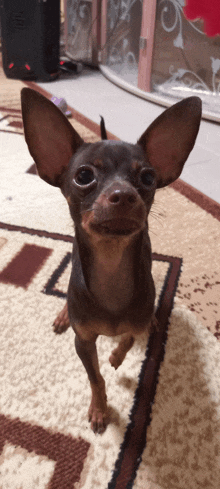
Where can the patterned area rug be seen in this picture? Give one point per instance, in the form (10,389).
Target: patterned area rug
(164,401)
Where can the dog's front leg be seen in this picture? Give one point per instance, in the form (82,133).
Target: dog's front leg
(98,408)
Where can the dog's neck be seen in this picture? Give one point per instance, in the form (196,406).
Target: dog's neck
(111,271)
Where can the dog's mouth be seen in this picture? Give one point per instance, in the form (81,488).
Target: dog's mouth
(117,227)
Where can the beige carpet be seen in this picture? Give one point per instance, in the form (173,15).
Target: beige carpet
(163,435)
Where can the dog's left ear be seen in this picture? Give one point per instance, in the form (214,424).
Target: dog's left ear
(50,137)
(169,140)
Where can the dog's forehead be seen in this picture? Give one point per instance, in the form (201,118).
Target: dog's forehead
(111,153)
(119,149)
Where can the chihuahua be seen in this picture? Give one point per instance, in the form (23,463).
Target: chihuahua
(110,187)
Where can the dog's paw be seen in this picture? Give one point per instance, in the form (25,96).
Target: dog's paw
(98,410)
(116,358)
(97,419)
(61,323)
(118,354)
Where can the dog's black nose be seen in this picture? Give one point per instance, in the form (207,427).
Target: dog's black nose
(123,197)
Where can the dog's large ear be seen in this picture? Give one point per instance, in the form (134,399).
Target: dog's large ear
(169,139)
(49,135)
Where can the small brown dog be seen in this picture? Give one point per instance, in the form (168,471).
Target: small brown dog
(110,187)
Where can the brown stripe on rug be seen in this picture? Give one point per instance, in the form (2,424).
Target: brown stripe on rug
(197,197)
(25,265)
(23,439)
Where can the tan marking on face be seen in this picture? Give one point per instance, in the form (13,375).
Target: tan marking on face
(87,218)
(68,198)
(97,241)
(103,200)
(98,163)
(135,165)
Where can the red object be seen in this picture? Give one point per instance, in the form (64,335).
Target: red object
(209,11)
(27,67)
(11,65)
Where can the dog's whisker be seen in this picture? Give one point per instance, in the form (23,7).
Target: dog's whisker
(157,218)
(158,208)
(90,209)
(152,232)
(87,210)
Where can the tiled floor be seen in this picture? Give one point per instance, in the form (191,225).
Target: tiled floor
(127,116)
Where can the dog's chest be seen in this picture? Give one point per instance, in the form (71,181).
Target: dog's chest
(113,286)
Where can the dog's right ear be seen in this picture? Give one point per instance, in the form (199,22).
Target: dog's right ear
(169,140)
(50,137)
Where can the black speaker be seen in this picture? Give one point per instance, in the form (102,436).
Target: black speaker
(30,31)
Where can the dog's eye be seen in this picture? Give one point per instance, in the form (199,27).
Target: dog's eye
(147,177)
(85,176)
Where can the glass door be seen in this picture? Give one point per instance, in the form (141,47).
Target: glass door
(121,29)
